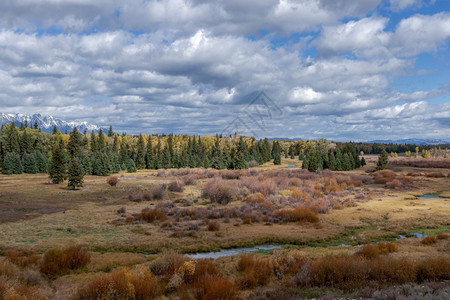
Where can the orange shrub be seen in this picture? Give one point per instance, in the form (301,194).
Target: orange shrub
(22,260)
(112,181)
(391,270)
(387,248)
(56,261)
(121,284)
(213,225)
(255,198)
(150,215)
(368,251)
(255,271)
(428,240)
(433,268)
(298,214)
(215,287)
(344,272)
(442,236)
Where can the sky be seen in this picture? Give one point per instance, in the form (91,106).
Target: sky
(336,69)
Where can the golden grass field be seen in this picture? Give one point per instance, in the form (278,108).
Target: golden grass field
(36,216)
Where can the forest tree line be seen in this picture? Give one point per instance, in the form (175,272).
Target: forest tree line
(26,149)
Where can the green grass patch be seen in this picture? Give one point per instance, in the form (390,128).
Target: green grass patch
(431,231)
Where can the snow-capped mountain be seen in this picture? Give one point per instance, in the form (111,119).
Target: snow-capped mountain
(46,123)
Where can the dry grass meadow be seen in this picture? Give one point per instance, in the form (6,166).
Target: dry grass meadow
(131,231)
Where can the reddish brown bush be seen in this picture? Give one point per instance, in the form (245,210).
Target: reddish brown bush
(435,174)
(384,176)
(442,236)
(219,191)
(433,268)
(391,270)
(298,214)
(213,225)
(175,187)
(152,214)
(121,284)
(344,272)
(255,270)
(368,251)
(22,260)
(428,240)
(58,261)
(215,287)
(112,180)
(387,248)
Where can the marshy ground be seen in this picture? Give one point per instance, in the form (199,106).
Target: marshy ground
(313,215)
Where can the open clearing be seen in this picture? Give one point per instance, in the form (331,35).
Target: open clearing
(36,216)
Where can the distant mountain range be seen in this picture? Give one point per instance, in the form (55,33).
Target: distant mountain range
(46,123)
(422,142)
(419,142)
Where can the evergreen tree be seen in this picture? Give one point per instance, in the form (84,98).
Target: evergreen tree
(58,165)
(140,155)
(36,126)
(94,145)
(332,161)
(55,129)
(149,157)
(363,161)
(131,166)
(312,161)
(11,139)
(75,143)
(110,131)
(382,160)
(26,144)
(101,143)
(41,162)
(29,162)
(276,153)
(75,175)
(12,164)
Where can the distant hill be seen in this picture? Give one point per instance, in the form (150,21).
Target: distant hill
(46,123)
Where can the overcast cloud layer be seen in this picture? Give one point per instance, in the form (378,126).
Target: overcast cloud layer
(337,69)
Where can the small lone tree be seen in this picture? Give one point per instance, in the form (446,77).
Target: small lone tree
(382,160)
(76,177)
(58,165)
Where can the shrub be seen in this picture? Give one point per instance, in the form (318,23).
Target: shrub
(255,271)
(442,236)
(345,272)
(213,226)
(428,240)
(368,251)
(433,268)
(175,187)
(230,174)
(190,179)
(159,192)
(215,287)
(58,261)
(22,260)
(121,284)
(152,214)
(112,180)
(252,164)
(219,191)
(384,248)
(298,214)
